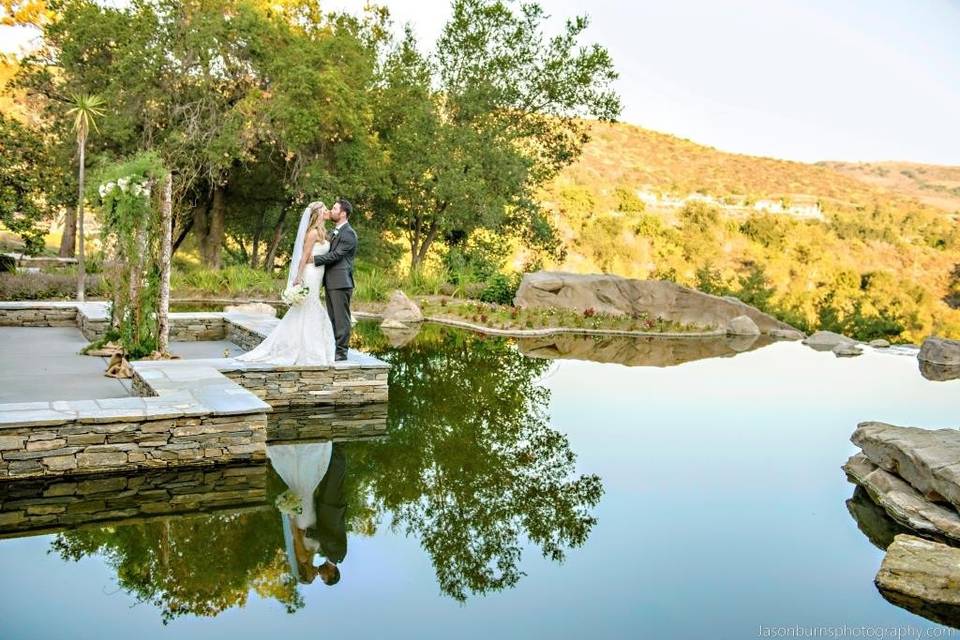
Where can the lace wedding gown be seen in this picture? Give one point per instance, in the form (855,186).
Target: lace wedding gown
(305,334)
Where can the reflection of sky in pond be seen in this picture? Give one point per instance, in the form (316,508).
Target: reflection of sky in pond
(723,510)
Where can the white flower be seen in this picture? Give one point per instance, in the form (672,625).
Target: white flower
(123,182)
(136,189)
(111,186)
(102,190)
(146,192)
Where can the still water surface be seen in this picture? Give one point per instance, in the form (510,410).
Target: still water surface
(514,496)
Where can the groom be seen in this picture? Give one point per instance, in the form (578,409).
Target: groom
(338,275)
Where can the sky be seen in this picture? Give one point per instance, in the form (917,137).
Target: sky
(808,80)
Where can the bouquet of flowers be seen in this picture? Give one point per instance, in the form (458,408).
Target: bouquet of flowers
(289,503)
(295,294)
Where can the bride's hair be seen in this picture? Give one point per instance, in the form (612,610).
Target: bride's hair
(314,219)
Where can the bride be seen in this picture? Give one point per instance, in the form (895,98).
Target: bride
(305,334)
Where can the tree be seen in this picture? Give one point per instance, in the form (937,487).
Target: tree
(472,130)
(85,109)
(24,178)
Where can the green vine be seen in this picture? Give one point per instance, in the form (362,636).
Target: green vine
(128,194)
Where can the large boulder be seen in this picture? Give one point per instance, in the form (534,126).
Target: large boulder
(902,502)
(619,296)
(940,351)
(928,459)
(402,309)
(742,326)
(826,340)
(252,308)
(923,577)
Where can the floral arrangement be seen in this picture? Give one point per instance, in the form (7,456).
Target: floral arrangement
(136,185)
(295,294)
(289,503)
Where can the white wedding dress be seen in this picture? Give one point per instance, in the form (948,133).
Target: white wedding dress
(301,467)
(305,334)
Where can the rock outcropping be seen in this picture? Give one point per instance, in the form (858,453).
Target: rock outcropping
(401,309)
(923,577)
(619,296)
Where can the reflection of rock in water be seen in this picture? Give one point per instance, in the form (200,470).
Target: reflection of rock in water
(922,577)
(400,337)
(872,520)
(43,505)
(939,372)
(646,351)
(348,422)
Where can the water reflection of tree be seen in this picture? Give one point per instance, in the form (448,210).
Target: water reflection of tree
(471,465)
(198,565)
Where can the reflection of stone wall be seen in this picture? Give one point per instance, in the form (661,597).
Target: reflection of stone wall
(650,352)
(128,442)
(50,504)
(39,317)
(327,423)
(284,387)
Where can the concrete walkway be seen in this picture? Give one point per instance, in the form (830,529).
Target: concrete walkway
(43,363)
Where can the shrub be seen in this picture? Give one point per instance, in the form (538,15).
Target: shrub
(7,264)
(373,285)
(46,286)
(501,288)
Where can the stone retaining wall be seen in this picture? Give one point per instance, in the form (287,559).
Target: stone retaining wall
(100,444)
(38,506)
(196,327)
(38,317)
(241,336)
(284,387)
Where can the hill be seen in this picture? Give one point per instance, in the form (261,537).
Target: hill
(934,185)
(826,245)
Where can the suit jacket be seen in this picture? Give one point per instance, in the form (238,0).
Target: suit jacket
(331,527)
(339,260)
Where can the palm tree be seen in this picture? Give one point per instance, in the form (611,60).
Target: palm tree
(85,110)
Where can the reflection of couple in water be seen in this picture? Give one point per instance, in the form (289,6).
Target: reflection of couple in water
(313,473)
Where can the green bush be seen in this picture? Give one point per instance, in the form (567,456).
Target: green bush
(501,289)
(373,285)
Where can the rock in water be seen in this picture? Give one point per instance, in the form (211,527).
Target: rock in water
(938,372)
(619,296)
(847,349)
(252,308)
(826,340)
(879,343)
(902,502)
(940,351)
(872,520)
(402,309)
(787,334)
(742,326)
(928,459)
(923,577)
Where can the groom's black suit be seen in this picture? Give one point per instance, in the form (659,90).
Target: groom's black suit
(338,283)
(330,529)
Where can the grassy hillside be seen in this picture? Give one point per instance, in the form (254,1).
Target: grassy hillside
(880,263)
(934,185)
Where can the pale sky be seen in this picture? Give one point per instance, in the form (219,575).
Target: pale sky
(802,80)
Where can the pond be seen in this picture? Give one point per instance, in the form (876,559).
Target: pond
(668,490)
